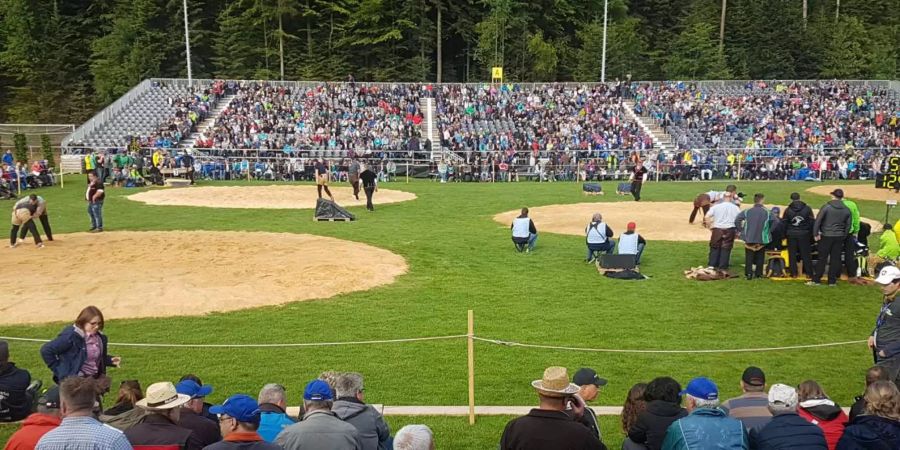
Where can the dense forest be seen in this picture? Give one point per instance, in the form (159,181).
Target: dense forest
(61,60)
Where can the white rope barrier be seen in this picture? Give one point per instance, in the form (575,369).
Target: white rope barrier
(614,350)
(302,344)
(459,336)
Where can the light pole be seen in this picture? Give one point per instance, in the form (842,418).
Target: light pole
(187,44)
(603,58)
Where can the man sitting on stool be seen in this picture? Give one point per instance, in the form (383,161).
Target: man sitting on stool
(524,231)
(599,237)
(632,243)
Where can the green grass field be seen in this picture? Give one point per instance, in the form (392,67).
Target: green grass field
(460,259)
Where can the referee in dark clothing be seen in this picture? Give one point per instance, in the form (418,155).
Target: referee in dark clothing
(370,185)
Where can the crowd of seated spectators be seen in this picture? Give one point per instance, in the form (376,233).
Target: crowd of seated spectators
(16,175)
(539,119)
(356,118)
(802,116)
(190,110)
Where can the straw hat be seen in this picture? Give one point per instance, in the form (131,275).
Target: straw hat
(555,383)
(162,396)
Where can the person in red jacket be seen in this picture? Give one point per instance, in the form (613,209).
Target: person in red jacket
(38,424)
(818,409)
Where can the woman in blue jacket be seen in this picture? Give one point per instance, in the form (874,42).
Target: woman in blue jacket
(80,349)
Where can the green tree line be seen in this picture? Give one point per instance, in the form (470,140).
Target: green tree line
(61,60)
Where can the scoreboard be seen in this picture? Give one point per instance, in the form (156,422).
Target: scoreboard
(889,178)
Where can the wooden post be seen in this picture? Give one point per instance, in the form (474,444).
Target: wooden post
(407,171)
(62,179)
(471,367)
(657,169)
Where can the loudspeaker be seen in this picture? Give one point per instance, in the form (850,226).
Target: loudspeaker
(329,210)
(617,262)
(591,188)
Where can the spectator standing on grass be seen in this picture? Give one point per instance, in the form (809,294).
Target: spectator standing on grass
(414,437)
(78,429)
(160,426)
(875,373)
(798,220)
(273,416)
(879,427)
(663,396)
(830,230)
(551,426)
(598,235)
(721,219)
(850,262)
(634,405)
(320,428)
(94,196)
(819,410)
(754,228)
(15,398)
(191,416)
(80,350)
(239,419)
(589,384)
(787,430)
(350,406)
(752,407)
(706,426)
(47,418)
(885,339)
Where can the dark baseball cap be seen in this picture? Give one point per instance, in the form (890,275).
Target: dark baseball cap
(754,376)
(586,376)
(50,398)
(839,193)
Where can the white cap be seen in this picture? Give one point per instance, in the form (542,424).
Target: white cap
(887,275)
(783,394)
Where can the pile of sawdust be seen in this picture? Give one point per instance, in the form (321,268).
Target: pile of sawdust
(266,197)
(150,274)
(858,192)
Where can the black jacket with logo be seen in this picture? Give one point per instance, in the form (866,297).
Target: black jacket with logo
(799,219)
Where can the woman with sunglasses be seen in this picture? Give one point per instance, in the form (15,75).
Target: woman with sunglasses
(80,350)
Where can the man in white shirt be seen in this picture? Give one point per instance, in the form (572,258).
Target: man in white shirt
(720,218)
(524,231)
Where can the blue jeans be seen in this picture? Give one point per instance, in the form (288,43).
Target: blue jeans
(637,257)
(95,210)
(531,240)
(606,247)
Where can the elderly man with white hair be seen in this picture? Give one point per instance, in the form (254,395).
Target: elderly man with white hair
(350,407)
(787,429)
(272,407)
(707,425)
(414,437)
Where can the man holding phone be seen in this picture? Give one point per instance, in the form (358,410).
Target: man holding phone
(555,423)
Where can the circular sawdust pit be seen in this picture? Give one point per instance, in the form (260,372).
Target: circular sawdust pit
(178,273)
(263,197)
(659,221)
(858,192)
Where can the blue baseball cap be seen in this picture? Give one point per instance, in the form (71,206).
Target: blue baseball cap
(192,389)
(702,388)
(242,408)
(318,390)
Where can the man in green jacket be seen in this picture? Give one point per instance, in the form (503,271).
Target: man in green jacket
(850,262)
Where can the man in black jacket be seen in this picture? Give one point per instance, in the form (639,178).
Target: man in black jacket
(799,219)
(831,230)
(550,426)
(885,339)
(663,397)
(15,403)
(590,384)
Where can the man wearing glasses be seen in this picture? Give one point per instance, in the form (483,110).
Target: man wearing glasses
(239,420)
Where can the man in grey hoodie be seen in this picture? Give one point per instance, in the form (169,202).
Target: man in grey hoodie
(754,228)
(320,428)
(831,229)
(374,433)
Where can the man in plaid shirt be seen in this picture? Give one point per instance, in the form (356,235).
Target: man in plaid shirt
(79,430)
